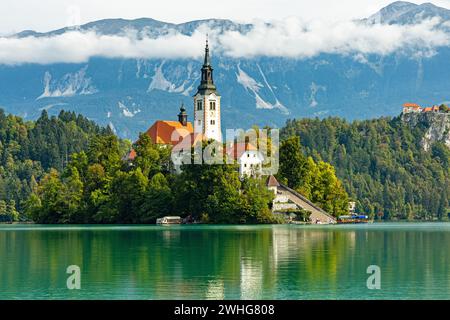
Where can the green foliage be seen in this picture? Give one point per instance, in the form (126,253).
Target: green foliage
(444,108)
(441,152)
(30,149)
(381,163)
(158,199)
(66,169)
(302,215)
(99,187)
(316,181)
(215,194)
(255,200)
(292,162)
(8,212)
(150,158)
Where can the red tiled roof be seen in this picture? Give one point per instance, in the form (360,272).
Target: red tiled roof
(164,132)
(272,182)
(236,150)
(429,109)
(132,155)
(411,105)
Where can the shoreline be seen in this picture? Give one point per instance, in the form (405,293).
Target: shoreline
(181,226)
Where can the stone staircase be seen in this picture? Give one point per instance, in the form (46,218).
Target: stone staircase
(318,216)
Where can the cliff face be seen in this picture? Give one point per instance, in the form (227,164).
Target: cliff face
(435,125)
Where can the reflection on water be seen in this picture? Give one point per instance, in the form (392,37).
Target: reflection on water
(226,262)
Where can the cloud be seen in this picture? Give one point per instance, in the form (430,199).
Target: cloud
(297,39)
(79,47)
(292,37)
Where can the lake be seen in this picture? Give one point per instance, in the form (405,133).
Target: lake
(226,262)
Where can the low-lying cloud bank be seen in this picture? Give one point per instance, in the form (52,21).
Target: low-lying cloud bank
(292,38)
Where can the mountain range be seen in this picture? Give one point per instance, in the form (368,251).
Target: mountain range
(129,94)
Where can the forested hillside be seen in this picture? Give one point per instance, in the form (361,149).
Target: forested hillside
(382,164)
(66,169)
(29,149)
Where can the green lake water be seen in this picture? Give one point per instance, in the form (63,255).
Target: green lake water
(226,262)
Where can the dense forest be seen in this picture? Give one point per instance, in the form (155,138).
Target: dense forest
(382,164)
(29,149)
(66,169)
(316,180)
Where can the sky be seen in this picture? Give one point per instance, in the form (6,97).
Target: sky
(45,15)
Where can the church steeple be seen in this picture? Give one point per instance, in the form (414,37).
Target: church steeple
(182,116)
(207,57)
(207,103)
(207,81)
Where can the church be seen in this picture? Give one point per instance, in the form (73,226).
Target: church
(206,125)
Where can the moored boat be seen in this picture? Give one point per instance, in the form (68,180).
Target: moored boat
(170,220)
(349,219)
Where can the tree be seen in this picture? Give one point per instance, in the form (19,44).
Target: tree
(381,163)
(223,202)
(443,108)
(158,200)
(79,161)
(147,156)
(316,181)
(215,194)
(3,211)
(11,211)
(328,191)
(255,202)
(440,151)
(33,207)
(52,199)
(309,179)
(105,150)
(198,182)
(72,197)
(292,162)
(28,150)
(127,193)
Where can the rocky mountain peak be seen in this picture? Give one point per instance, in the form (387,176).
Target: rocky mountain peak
(402,12)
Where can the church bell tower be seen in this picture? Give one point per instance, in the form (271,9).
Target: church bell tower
(207,103)
(182,116)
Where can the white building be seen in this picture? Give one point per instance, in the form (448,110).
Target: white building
(247,156)
(411,108)
(352,207)
(207,104)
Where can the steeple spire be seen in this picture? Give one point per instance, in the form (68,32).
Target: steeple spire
(207,57)
(207,81)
